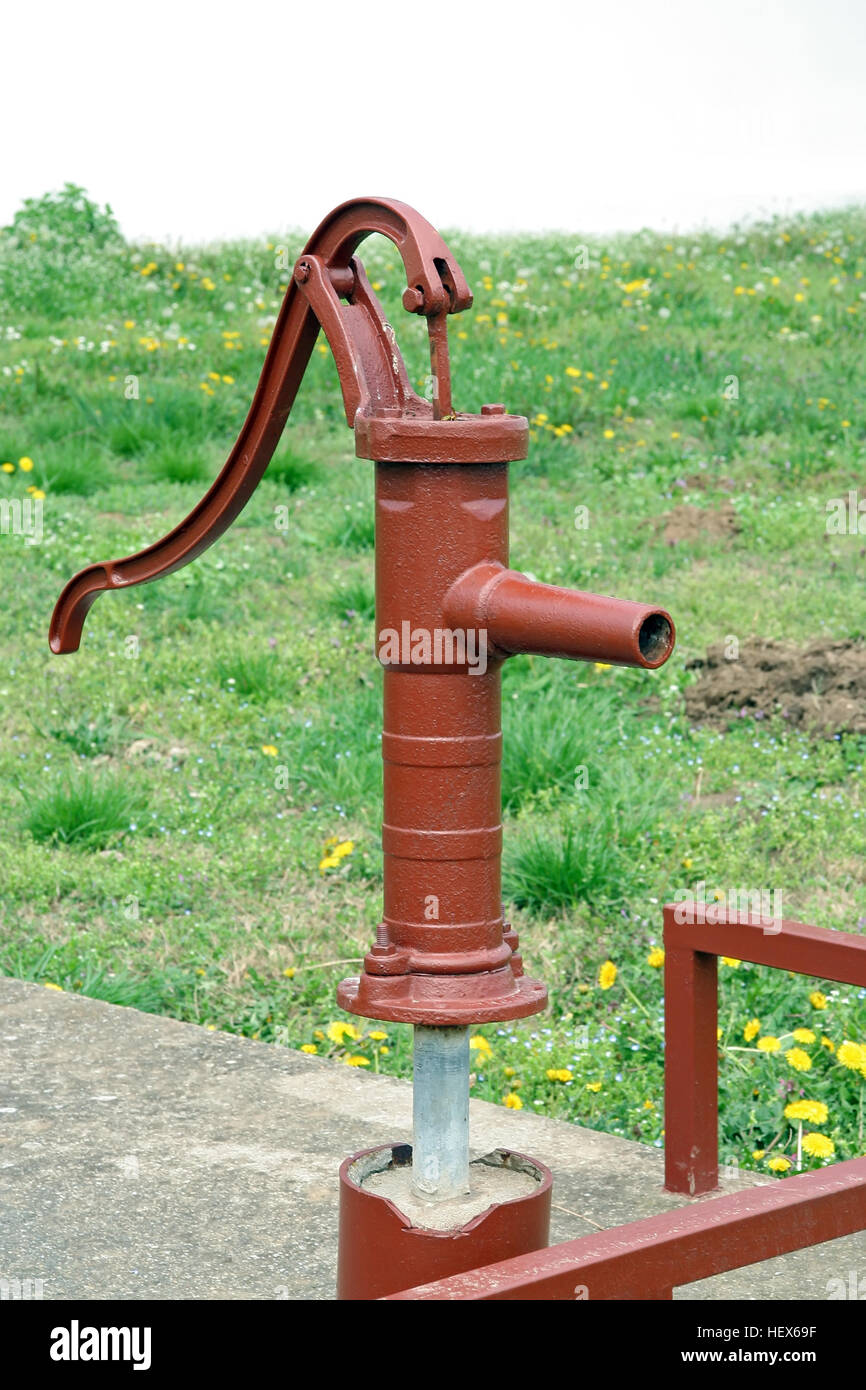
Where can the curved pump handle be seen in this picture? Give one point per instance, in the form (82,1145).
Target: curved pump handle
(372,378)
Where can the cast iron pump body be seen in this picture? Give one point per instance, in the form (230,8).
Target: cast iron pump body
(449,612)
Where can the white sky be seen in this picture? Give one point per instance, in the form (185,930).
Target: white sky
(206,121)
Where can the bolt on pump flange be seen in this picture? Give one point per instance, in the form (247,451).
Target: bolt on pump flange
(449,613)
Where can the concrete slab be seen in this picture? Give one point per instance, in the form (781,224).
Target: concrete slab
(145,1158)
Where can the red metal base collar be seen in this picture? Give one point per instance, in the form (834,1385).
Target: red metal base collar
(381,1253)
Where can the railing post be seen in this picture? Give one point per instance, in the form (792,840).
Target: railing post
(691,1068)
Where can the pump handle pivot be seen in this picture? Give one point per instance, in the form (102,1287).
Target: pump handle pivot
(372,375)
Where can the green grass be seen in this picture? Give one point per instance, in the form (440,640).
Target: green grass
(89,811)
(231,712)
(90,738)
(177,464)
(290,470)
(354,601)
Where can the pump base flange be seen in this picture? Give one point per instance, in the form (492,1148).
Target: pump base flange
(443,1001)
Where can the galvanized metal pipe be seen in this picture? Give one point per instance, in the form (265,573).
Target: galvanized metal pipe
(440,1113)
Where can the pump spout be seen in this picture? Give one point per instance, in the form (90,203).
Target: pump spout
(520,615)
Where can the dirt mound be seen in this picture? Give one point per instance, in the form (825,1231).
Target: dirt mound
(687,521)
(820,688)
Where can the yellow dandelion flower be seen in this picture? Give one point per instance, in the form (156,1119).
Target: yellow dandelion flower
(818,1145)
(341,850)
(752,1029)
(609,434)
(559,1074)
(852,1055)
(779,1165)
(607,975)
(656,958)
(798,1059)
(269,750)
(7,467)
(36,493)
(768,1044)
(338,1032)
(357,1061)
(573,371)
(687,863)
(803,1035)
(815,1111)
(309,1047)
(601,665)
(289,972)
(329,862)
(758,1153)
(48,985)
(732,962)
(378,1036)
(512,1101)
(828,1043)
(594,1086)
(479,1044)
(25,464)
(817,999)
(508,1071)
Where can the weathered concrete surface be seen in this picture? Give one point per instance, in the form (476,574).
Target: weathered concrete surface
(144,1158)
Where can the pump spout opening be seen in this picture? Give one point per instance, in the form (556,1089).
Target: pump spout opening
(656,638)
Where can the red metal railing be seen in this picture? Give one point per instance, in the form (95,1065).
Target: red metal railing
(691,1052)
(648,1259)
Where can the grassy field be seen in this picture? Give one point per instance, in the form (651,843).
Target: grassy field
(171,795)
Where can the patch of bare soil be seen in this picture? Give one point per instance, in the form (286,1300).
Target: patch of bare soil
(687,521)
(820,688)
(705,482)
